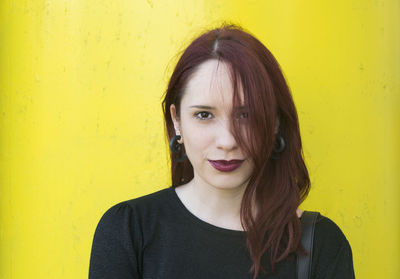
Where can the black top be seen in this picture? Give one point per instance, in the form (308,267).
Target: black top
(156,236)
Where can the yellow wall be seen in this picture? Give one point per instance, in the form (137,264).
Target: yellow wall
(81,127)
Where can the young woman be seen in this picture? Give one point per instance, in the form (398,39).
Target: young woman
(238,178)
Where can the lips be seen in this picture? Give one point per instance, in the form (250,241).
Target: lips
(226,166)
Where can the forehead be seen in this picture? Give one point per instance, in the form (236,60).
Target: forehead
(210,84)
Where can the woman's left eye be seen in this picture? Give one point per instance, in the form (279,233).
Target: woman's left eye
(244,115)
(203,115)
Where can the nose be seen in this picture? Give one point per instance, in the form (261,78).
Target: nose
(224,136)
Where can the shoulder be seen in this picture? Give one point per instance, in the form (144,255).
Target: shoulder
(328,233)
(148,201)
(126,212)
(332,253)
(120,235)
(152,199)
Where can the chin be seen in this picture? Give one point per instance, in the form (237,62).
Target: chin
(227,183)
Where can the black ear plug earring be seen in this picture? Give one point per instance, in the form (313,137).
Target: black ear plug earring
(279,147)
(176,147)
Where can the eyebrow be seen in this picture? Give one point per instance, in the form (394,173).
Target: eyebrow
(208,107)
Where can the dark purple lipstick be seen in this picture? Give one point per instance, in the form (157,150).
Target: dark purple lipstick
(226,166)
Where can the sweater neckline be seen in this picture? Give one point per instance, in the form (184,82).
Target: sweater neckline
(200,222)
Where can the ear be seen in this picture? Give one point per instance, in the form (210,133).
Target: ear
(176,122)
(172,110)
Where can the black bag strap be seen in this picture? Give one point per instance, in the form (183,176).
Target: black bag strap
(308,219)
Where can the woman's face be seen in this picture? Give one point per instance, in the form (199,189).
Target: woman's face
(205,127)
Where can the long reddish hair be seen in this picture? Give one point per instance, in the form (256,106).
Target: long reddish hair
(280,182)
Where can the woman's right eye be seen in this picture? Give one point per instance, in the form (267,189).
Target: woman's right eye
(203,115)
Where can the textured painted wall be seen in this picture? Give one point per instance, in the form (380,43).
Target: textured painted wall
(81,128)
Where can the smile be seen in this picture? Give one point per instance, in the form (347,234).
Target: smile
(226,166)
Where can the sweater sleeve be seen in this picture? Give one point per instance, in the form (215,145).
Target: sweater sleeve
(342,266)
(332,255)
(115,249)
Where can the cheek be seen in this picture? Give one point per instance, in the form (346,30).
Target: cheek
(196,145)
(197,140)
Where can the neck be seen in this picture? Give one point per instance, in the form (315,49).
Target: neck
(218,206)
